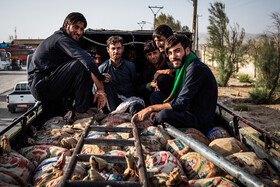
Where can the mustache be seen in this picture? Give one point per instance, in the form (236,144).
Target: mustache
(176,59)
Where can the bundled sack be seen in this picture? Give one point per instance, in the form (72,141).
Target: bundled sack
(227,146)
(96,134)
(252,164)
(54,123)
(15,169)
(173,179)
(124,135)
(197,166)
(50,171)
(81,123)
(177,148)
(216,133)
(215,181)
(116,119)
(143,124)
(99,149)
(162,162)
(156,131)
(197,135)
(48,137)
(38,153)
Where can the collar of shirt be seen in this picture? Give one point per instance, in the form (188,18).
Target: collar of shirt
(111,64)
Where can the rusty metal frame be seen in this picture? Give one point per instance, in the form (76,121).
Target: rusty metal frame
(139,157)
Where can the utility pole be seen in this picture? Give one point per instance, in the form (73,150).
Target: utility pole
(197,33)
(194,22)
(141,24)
(155,14)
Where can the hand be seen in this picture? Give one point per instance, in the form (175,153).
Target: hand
(100,96)
(108,76)
(153,116)
(141,115)
(163,71)
(153,84)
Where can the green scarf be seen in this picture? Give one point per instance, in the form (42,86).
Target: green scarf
(180,77)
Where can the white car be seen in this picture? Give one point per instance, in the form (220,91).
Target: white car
(21,97)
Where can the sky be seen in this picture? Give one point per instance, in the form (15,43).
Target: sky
(37,19)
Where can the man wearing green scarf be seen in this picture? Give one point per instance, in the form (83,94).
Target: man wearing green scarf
(193,100)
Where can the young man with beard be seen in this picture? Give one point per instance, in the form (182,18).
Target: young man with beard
(120,76)
(60,69)
(155,61)
(192,102)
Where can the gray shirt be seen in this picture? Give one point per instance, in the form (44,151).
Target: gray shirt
(122,78)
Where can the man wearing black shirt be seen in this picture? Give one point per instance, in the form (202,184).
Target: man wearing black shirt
(60,69)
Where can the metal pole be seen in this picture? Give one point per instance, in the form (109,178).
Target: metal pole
(155,14)
(194,21)
(235,171)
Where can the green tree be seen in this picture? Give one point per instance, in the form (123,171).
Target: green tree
(226,45)
(170,21)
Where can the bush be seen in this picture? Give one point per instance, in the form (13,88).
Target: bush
(260,96)
(244,78)
(241,107)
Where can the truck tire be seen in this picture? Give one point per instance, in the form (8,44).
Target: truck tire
(12,110)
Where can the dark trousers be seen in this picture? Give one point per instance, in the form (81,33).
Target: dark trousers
(70,80)
(179,119)
(113,101)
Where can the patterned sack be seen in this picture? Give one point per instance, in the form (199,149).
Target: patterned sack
(157,132)
(15,169)
(101,148)
(197,135)
(215,181)
(271,181)
(124,135)
(227,146)
(117,119)
(197,167)
(43,171)
(96,134)
(216,133)
(89,149)
(114,168)
(162,162)
(143,124)
(54,123)
(50,137)
(173,179)
(82,123)
(177,148)
(38,153)
(252,164)
(151,143)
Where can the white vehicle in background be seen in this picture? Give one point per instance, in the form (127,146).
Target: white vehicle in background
(21,97)
(4,62)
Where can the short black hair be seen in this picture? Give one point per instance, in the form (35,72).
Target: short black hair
(150,46)
(162,30)
(73,18)
(175,39)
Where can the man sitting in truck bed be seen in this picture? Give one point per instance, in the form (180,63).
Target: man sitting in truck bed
(61,68)
(193,100)
(120,76)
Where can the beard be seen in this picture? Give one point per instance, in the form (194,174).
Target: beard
(177,65)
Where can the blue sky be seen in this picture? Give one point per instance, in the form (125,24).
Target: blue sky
(40,18)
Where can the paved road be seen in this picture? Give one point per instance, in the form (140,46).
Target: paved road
(7,81)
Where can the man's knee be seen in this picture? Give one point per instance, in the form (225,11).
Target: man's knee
(163,116)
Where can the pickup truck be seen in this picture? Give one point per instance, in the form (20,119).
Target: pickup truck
(262,143)
(21,97)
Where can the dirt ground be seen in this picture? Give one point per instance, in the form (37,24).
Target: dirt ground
(264,116)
